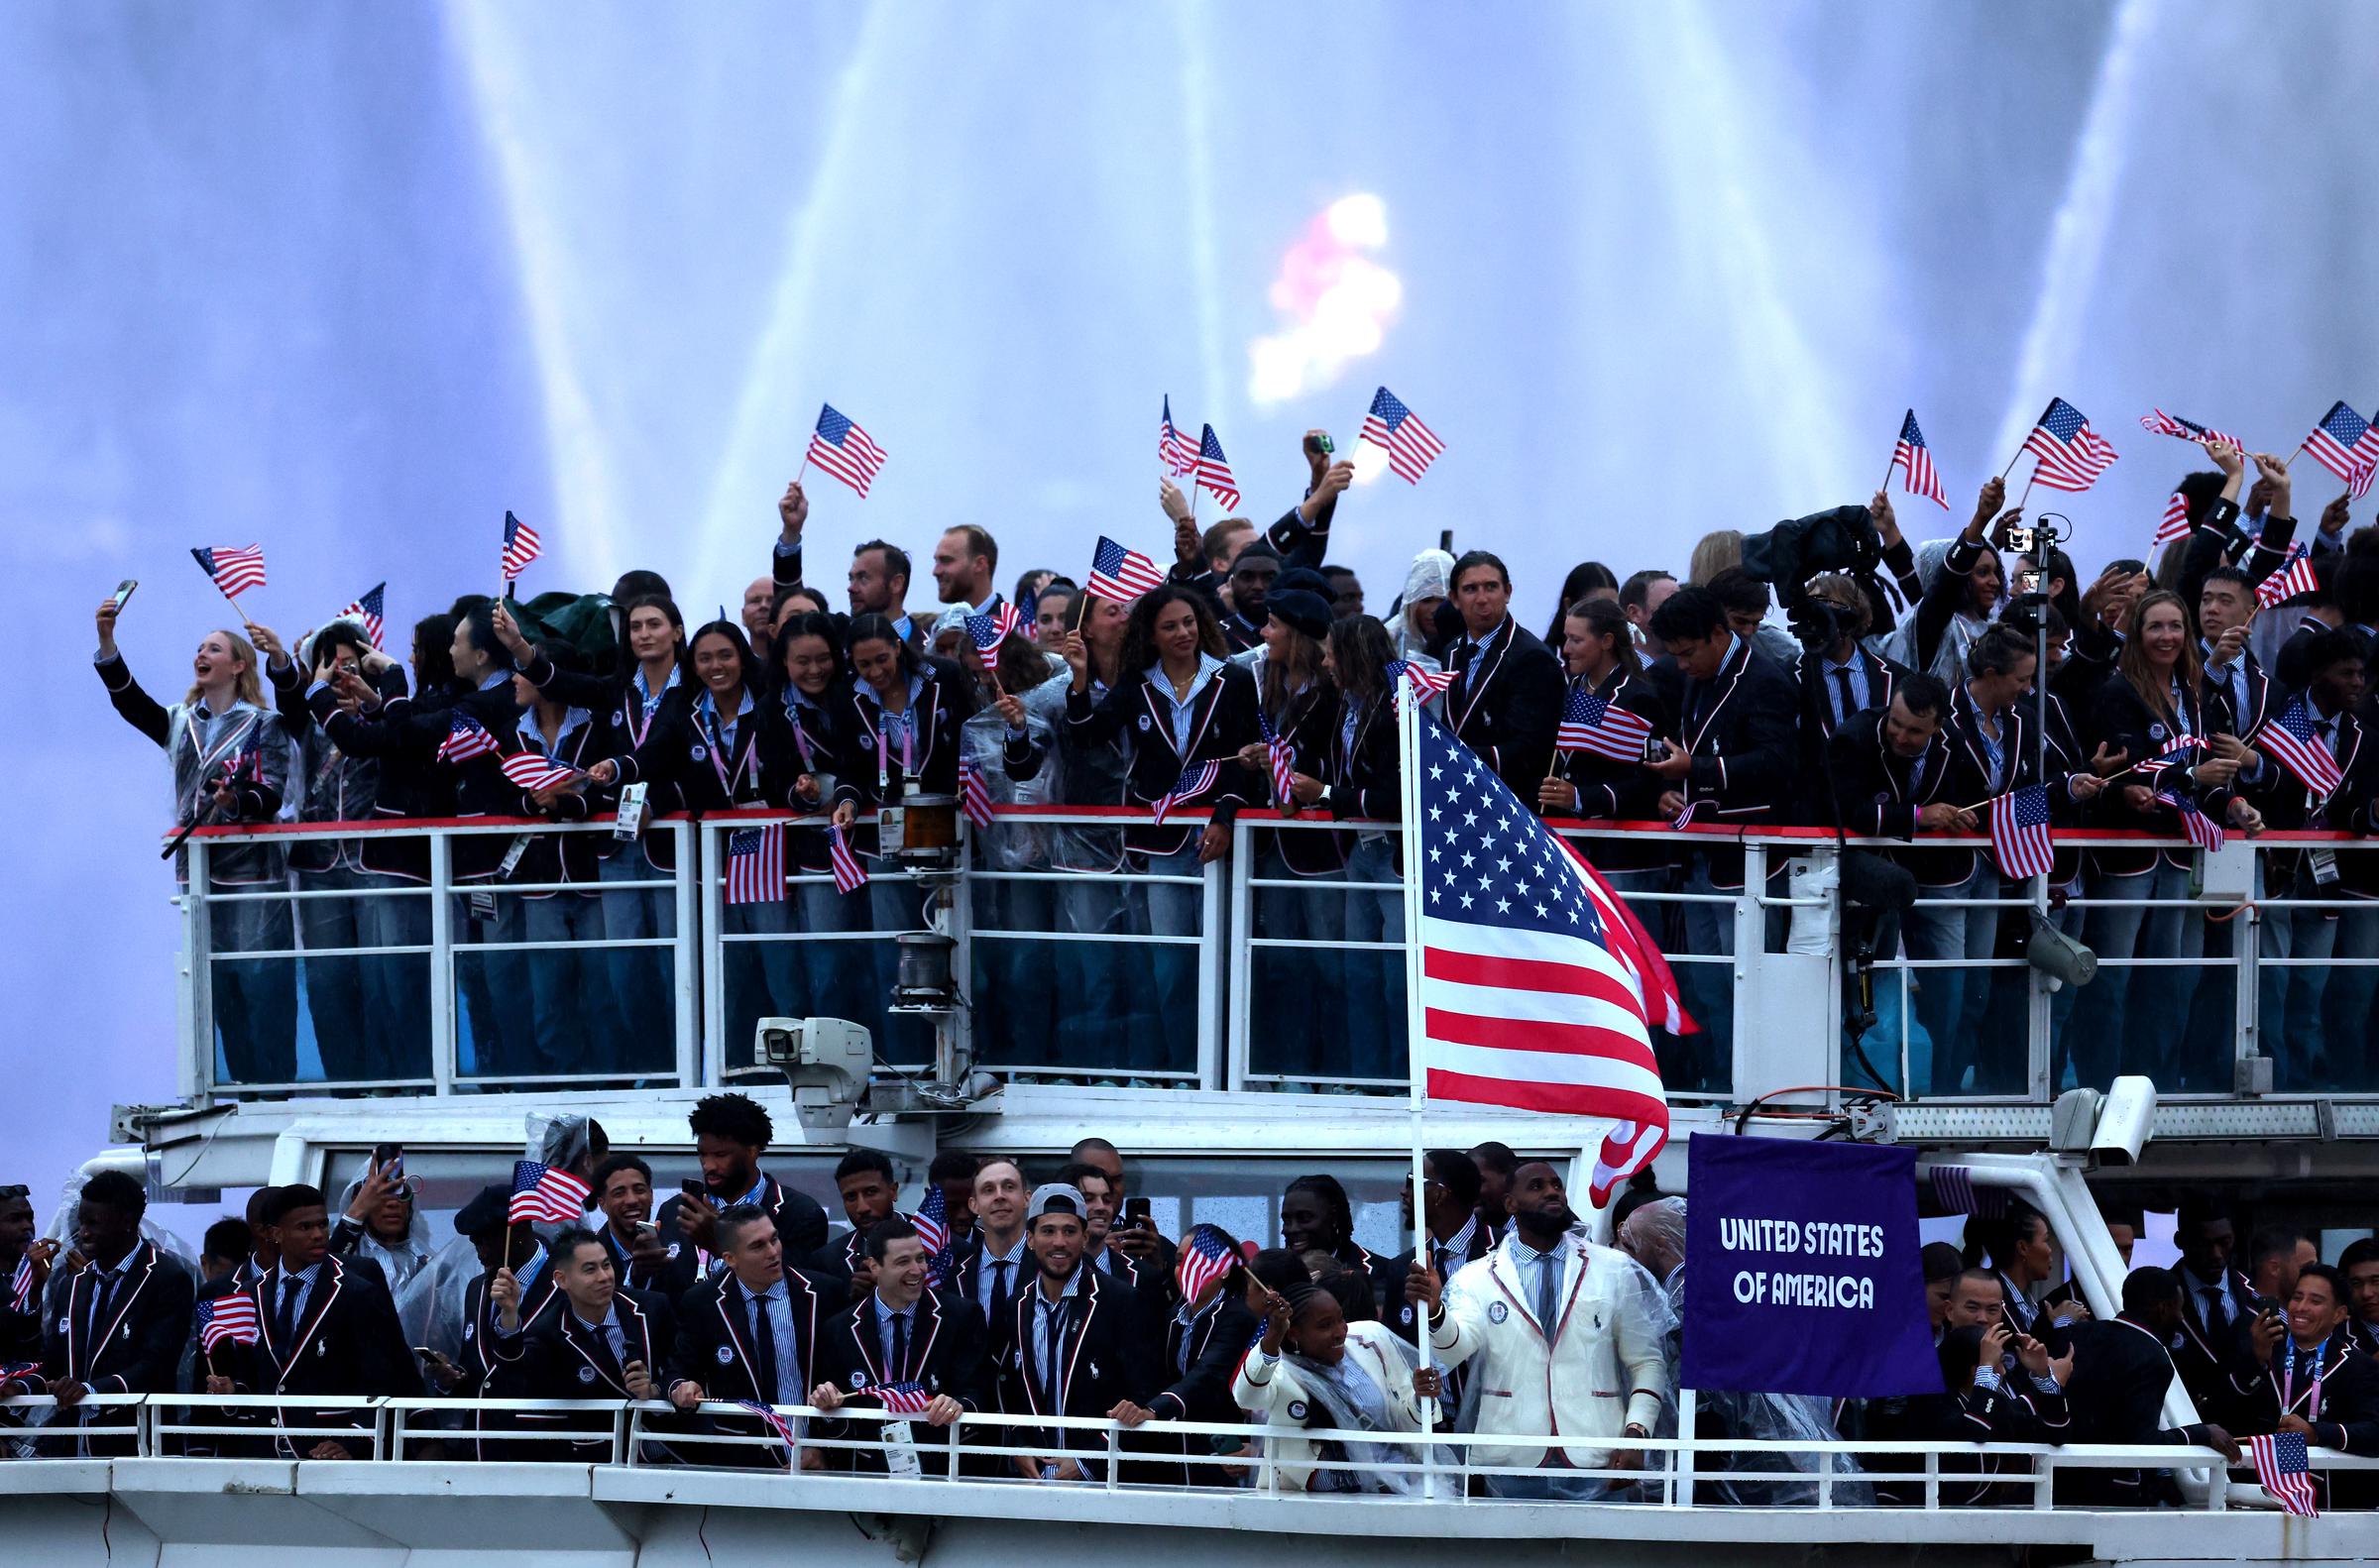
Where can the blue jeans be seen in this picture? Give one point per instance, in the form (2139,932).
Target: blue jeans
(2125,1016)
(2287,997)
(254,1002)
(1949,1001)
(1170,910)
(1302,991)
(2346,1006)
(559,1039)
(1374,1019)
(1105,984)
(639,976)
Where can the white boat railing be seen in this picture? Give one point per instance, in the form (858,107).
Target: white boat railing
(1243,974)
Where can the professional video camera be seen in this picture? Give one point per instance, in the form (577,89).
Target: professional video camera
(1787,555)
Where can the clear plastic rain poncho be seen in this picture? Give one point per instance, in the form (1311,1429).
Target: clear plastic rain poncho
(404,1263)
(1353,1401)
(441,1288)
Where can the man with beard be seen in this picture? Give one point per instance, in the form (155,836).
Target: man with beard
(1563,1340)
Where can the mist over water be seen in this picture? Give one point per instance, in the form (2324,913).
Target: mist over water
(349,281)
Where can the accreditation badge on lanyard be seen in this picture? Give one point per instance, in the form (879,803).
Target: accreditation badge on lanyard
(2288,1383)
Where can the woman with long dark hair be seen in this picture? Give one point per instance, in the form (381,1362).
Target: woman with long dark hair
(1301,987)
(1108,985)
(1586,580)
(2151,707)
(1185,708)
(816,976)
(1010,740)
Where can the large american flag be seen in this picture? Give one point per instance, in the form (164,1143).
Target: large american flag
(1215,471)
(1121,575)
(2019,832)
(466,737)
(372,609)
(2291,742)
(2067,453)
(2197,828)
(1396,430)
(844,450)
(2334,442)
(1914,460)
(520,546)
(756,864)
(2283,1469)
(1175,450)
(1196,779)
(2158,422)
(988,633)
(234,568)
(1428,683)
(231,1316)
(2287,583)
(1594,724)
(1206,1256)
(533,772)
(545,1193)
(849,875)
(1532,994)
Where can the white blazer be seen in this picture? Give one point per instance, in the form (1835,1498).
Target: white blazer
(1602,1365)
(1273,1389)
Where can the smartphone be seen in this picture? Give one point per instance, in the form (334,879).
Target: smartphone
(2027,582)
(1135,1212)
(1320,443)
(694,1190)
(1445,540)
(388,1158)
(124,591)
(428,1354)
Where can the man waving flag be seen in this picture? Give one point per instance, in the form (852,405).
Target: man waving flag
(1528,987)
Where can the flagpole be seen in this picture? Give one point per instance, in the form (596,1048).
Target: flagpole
(2011,462)
(1890,467)
(1407,745)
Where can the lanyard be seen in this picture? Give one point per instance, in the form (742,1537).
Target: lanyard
(2287,1382)
(801,735)
(908,745)
(639,696)
(709,725)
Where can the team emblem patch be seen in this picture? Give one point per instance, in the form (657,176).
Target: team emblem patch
(672,1252)
(468,1329)
(586,1374)
(1296,1409)
(701,751)
(859,1379)
(1407,1315)
(1146,724)
(1496,1312)
(727,1356)
(2155,732)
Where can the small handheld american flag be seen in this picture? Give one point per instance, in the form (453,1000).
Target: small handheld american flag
(782,1428)
(231,1316)
(932,1222)
(1914,460)
(1215,471)
(1428,683)
(1121,575)
(2067,453)
(1281,758)
(1396,430)
(1593,723)
(2287,583)
(234,569)
(546,1192)
(756,864)
(520,546)
(1684,819)
(2174,525)
(1175,450)
(849,875)
(1206,1256)
(2158,422)
(2199,829)
(974,794)
(2338,443)
(2180,751)
(26,1375)
(2292,742)
(533,772)
(2283,1469)
(2019,832)
(904,1399)
(844,450)
(1195,781)
(20,1284)
(988,633)
(466,738)
(372,609)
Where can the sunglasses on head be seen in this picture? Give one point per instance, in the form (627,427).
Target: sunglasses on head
(15,1191)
